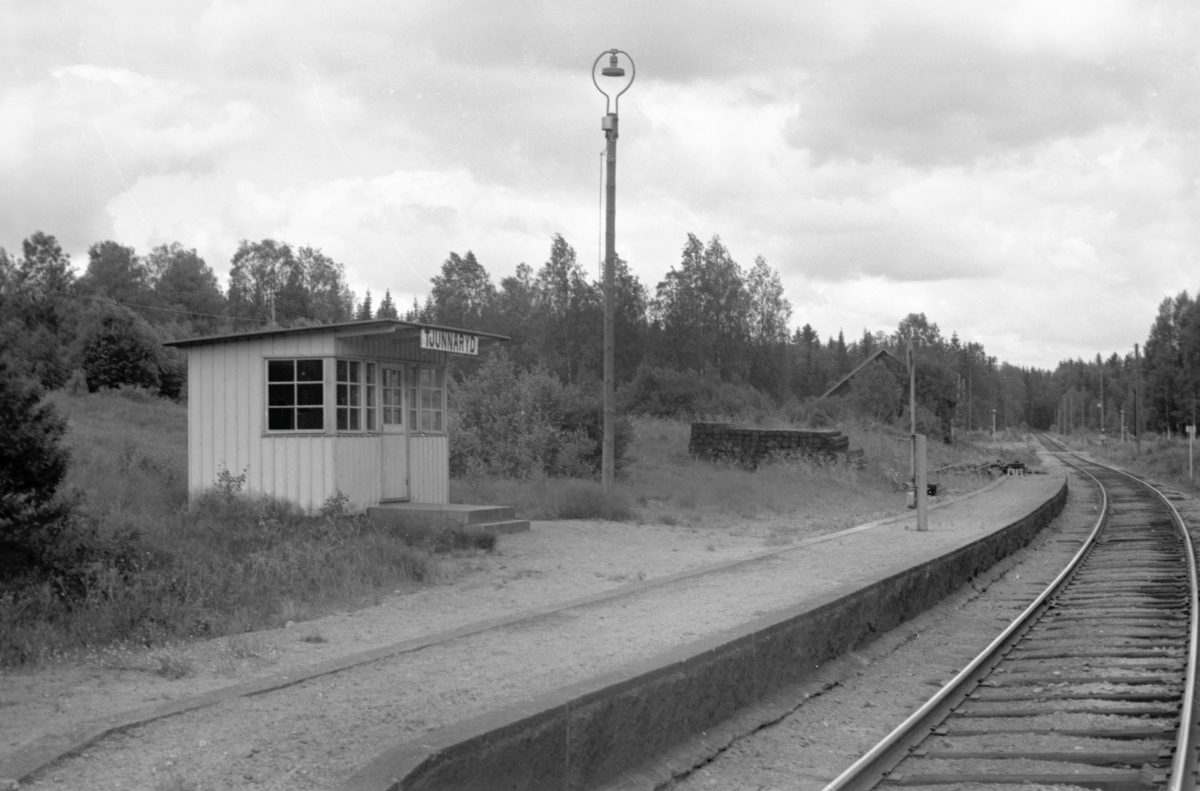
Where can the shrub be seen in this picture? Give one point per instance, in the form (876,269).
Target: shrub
(508,422)
(33,463)
(119,349)
(666,393)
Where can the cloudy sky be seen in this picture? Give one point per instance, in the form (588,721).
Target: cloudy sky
(1024,173)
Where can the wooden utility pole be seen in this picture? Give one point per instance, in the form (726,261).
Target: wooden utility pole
(1137,400)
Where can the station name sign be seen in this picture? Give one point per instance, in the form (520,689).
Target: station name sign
(449,341)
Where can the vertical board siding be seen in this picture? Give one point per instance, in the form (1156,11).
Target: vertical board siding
(356,471)
(429,468)
(207,422)
(196,384)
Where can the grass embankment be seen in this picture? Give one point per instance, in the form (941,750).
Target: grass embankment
(158,570)
(662,484)
(1160,458)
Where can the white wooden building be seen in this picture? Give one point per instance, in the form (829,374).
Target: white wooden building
(307,412)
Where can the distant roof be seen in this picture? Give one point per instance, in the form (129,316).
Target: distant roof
(874,356)
(346,328)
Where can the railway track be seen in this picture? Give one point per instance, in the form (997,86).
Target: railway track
(1092,686)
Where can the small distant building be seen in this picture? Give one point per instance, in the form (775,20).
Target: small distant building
(304,413)
(881,357)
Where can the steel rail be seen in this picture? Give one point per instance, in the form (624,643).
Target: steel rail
(1182,774)
(866,772)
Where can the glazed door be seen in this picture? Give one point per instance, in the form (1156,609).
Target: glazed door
(394,433)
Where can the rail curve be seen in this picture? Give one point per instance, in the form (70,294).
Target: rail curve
(1092,686)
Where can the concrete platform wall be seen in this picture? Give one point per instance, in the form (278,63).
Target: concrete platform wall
(587,734)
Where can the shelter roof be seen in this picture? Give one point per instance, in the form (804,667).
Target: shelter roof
(345,329)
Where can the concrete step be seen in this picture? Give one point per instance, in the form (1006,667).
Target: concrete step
(500,528)
(438,516)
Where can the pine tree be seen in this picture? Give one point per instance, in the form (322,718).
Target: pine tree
(364,310)
(387,308)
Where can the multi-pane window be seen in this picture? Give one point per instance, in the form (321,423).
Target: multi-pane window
(295,395)
(393,397)
(426,400)
(370,372)
(349,395)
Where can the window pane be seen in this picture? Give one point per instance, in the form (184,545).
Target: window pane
(309,371)
(310,419)
(412,418)
(426,420)
(341,419)
(370,373)
(281,395)
(355,367)
(280,370)
(341,370)
(437,421)
(310,395)
(355,396)
(279,419)
(355,425)
(341,395)
(437,377)
(371,396)
(370,420)
(426,377)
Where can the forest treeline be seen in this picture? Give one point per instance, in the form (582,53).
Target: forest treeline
(711,336)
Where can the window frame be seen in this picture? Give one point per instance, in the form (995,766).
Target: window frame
(415,392)
(314,385)
(354,386)
(404,370)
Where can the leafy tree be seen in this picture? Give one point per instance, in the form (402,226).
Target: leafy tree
(514,314)
(463,293)
(568,316)
(768,316)
(630,303)
(387,308)
(305,286)
(116,271)
(702,310)
(324,280)
(185,285)
(37,316)
(120,349)
(259,274)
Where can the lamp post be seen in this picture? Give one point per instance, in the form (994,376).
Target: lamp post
(609,124)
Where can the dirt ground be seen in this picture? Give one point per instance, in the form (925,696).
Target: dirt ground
(283,739)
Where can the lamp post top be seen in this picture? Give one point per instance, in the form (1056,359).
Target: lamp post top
(613,70)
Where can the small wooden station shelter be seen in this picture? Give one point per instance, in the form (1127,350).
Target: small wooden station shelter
(307,412)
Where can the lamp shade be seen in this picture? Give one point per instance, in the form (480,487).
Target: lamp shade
(612,69)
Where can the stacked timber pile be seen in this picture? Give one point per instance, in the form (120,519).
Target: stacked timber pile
(750,446)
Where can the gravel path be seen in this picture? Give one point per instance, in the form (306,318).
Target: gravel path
(315,733)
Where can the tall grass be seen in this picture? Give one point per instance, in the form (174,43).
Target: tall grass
(157,569)
(1159,458)
(662,483)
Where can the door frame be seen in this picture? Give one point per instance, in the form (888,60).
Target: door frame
(405,431)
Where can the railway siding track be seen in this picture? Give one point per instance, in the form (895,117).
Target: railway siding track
(1088,687)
